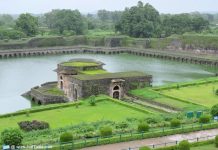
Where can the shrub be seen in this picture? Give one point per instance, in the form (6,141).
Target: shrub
(12,137)
(66,137)
(143,127)
(216,141)
(204,119)
(216,92)
(34,125)
(184,145)
(175,123)
(105,131)
(122,125)
(144,148)
(214,110)
(92,101)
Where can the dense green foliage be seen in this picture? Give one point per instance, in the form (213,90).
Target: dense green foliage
(181,23)
(216,141)
(216,92)
(11,34)
(175,123)
(27,24)
(184,145)
(144,148)
(106,131)
(33,125)
(214,110)
(143,127)
(65,21)
(66,137)
(140,21)
(204,119)
(11,137)
(145,21)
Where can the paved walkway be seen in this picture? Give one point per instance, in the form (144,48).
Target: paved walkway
(155,141)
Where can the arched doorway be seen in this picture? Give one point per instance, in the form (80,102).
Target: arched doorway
(75,94)
(116,92)
(116,95)
(62,85)
(116,88)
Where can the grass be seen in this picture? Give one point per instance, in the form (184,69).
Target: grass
(200,94)
(205,147)
(79,64)
(62,117)
(93,72)
(156,97)
(55,91)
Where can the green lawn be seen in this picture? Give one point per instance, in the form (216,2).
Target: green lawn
(104,110)
(205,147)
(93,72)
(200,94)
(79,64)
(154,96)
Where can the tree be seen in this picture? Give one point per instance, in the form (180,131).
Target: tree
(27,24)
(139,21)
(12,137)
(184,145)
(69,20)
(214,110)
(6,20)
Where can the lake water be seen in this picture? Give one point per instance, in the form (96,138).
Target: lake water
(19,75)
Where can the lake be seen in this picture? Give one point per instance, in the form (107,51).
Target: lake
(18,75)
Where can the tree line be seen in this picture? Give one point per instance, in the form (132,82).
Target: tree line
(141,21)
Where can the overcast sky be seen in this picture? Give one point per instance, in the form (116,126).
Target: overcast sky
(163,6)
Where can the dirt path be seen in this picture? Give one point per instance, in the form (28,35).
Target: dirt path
(160,140)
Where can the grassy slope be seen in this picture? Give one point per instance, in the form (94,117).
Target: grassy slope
(201,94)
(205,147)
(149,94)
(105,110)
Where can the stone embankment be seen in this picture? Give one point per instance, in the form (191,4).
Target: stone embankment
(187,57)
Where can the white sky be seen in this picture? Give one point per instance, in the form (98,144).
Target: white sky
(163,6)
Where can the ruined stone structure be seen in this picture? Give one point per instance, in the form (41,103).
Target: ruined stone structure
(77,79)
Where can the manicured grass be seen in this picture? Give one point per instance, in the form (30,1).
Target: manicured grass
(199,94)
(79,64)
(93,72)
(205,147)
(55,91)
(62,117)
(154,96)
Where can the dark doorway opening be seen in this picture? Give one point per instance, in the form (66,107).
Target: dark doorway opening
(62,85)
(116,95)
(116,88)
(39,103)
(75,93)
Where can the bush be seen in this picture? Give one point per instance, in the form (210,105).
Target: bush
(92,100)
(66,137)
(175,123)
(204,119)
(122,125)
(216,92)
(143,127)
(34,125)
(184,145)
(12,137)
(144,148)
(216,141)
(214,110)
(105,131)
